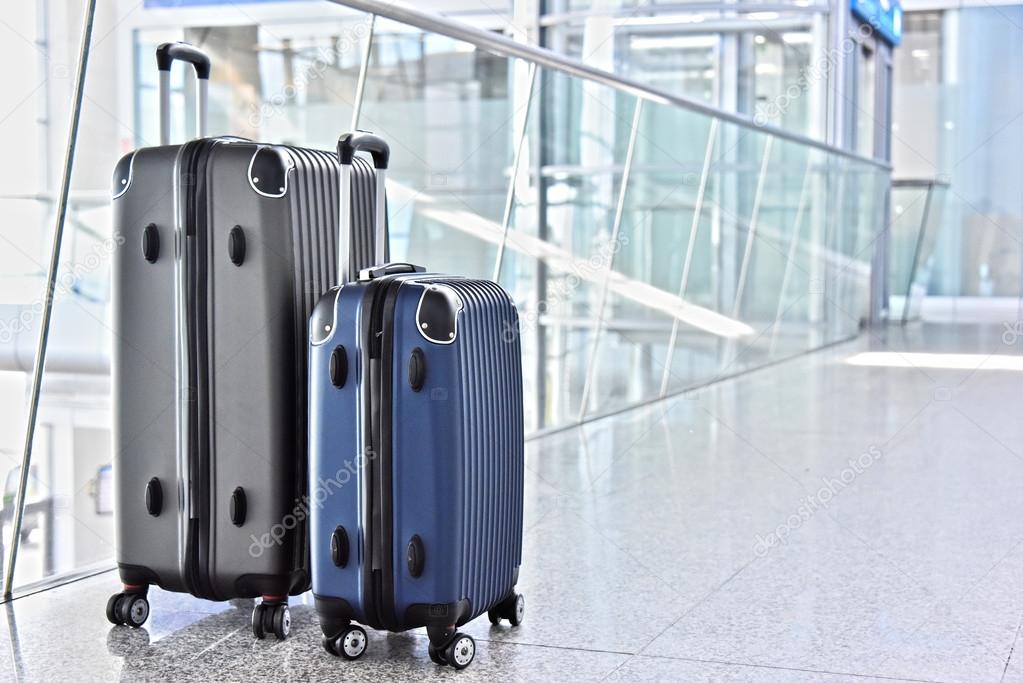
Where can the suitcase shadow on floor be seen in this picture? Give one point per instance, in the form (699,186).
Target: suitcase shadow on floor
(223,643)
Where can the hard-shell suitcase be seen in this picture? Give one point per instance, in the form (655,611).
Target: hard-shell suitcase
(416,453)
(227,246)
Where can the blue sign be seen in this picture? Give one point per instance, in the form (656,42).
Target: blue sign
(884,16)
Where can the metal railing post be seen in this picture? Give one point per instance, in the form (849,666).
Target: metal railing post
(509,200)
(791,256)
(360,85)
(615,231)
(51,280)
(747,253)
(690,249)
(916,252)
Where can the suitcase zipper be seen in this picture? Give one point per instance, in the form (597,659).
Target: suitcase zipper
(378,341)
(193,380)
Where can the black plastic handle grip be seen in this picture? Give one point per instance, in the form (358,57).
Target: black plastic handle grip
(389,269)
(361,141)
(168,52)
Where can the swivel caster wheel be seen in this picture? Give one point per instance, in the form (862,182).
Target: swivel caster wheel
(351,642)
(130,609)
(268,617)
(460,652)
(513,609)
(281,619)
(112,609)
(436,655)
(518,610)
(328,645)
(257,622)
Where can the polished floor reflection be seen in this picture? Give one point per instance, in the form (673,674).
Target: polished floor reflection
(820,519)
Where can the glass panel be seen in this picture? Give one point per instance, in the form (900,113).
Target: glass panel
(782,78)
(866,107)
(709,331)
(908,206)
(643,296)
(802,290)
(931,231)
(33,130)
(772,256)
(859,199)
(555,270)
(449,114)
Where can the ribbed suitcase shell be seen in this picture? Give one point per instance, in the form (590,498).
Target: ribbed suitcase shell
(253,352)
(455,459)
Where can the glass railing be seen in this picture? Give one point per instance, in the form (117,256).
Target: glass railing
(918,206)
(652,244)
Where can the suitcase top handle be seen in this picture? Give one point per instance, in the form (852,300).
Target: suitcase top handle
(347,145)
(389,269)
(168,52)
(166,55)
(361,141)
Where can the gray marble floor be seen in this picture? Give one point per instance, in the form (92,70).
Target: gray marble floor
(813,521)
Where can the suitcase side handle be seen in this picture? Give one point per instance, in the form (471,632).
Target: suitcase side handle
(389,269)
(347,145)
(166,55)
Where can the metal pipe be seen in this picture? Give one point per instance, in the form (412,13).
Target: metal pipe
(502,45)
(360,85)
(51,281)
(615,232)
(202,116)
(165,98)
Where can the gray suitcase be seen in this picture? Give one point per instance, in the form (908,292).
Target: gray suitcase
(227,244)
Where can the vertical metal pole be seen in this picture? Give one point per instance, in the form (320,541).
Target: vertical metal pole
(165,98)
(380,218)
(793,243)
(360,85)
(542,232)
(615,230)
(345,195)
(51,279)
(916,253)
(690,249)
(509,200)
(751,236)
(878,305)
(344,235)
(202,110)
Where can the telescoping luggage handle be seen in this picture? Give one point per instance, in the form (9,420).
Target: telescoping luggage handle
(347,145)
(166,55)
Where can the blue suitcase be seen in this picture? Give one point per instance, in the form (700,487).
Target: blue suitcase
(416,451)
